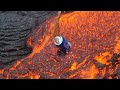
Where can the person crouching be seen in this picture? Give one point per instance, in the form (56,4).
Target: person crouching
(63,45)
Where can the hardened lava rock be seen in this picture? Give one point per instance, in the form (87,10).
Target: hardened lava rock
(14,28)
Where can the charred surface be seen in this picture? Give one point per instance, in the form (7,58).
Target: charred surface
(15,26)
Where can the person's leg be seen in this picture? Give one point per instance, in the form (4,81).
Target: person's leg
(69,44)
(62,51)
(69,47)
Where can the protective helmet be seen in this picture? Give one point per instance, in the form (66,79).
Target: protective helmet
(58,40)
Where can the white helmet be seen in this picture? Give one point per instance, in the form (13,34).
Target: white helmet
(58,40)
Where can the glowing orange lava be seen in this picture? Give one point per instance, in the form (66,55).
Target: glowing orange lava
(95,37)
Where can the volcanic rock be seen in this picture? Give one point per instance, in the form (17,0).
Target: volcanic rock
(15,26)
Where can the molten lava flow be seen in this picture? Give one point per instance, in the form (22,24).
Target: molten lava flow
(95,39)
(103,58)
(89,73)
(74,65)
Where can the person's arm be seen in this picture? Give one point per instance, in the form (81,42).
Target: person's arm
(56,26)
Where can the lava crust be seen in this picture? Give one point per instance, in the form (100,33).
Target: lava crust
(95,39)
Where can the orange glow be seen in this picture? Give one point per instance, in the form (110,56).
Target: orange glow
(89,73)
(103,71)
(74,65)
(37,48)
(93,72)
(14,67)
(103,57)
(1,71)
(95,37)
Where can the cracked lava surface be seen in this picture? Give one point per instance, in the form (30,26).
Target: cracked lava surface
(95,39)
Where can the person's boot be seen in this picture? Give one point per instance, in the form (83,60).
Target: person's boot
(61,53)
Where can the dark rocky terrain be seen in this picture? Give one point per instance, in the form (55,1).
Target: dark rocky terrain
(15,26)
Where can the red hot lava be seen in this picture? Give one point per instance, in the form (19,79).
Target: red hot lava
(95,53)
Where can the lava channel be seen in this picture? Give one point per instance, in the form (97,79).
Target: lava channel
(95,52)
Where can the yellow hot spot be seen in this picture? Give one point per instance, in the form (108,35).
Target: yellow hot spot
(103,57)
(74,65)
(93,72)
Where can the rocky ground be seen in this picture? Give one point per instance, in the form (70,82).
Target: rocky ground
(95,52)
(14,28)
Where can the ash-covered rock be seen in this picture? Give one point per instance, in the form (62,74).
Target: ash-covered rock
(14,28)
